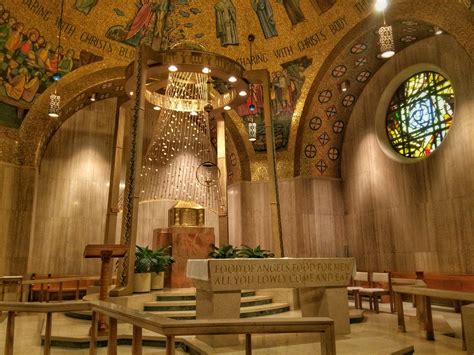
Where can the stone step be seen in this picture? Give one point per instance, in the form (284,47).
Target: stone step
(191,305)
(189,295)
(246,312)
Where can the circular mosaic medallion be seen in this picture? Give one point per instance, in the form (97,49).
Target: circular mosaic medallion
(315,123)
(333,153)
(310,151)
(339,71)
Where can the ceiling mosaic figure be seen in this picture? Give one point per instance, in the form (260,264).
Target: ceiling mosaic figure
(293,10)
(264,12)
(321,6)
(85,6)
(285,89)
(145,16)
(226,23)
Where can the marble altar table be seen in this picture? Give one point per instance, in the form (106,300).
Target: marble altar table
(321,283)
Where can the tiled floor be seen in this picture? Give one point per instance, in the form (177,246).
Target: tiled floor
(377,335)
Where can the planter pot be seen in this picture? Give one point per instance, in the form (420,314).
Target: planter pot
(142,282)
(157,280)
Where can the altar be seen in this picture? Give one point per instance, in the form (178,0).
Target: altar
(321,284)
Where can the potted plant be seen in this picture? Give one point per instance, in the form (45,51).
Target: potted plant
(161,262)
(143,264)
(224,252)
(258,252)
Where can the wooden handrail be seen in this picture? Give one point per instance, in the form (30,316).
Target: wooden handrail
(166,326)
(53,307)
(171,327)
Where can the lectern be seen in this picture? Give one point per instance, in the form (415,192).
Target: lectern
(105,252)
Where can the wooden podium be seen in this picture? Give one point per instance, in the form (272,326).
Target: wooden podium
(105,252)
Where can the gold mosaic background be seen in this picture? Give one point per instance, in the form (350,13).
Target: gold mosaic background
(325,38)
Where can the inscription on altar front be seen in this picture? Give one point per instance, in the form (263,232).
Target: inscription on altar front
(279,273)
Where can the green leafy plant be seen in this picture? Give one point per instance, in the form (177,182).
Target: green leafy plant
(224,252)
(143,259)
(258,252)
(161,260)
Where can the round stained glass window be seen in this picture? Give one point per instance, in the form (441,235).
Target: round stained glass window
(420,114)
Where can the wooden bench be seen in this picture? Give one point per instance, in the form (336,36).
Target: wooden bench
(424,296)
(441,281)
(56,287)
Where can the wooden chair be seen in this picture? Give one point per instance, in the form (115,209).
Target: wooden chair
(361,279)
(380,285)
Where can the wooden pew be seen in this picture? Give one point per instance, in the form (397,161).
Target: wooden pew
(55,287)
(426,294)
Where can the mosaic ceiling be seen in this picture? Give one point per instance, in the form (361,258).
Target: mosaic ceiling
(294,38)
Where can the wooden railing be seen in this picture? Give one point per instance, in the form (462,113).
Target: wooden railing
(49,308)
(165,326)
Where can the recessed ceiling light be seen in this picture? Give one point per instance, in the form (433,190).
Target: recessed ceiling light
(232,79)
(381,5)
(51,114)
(227,107)
(156,108)
(173,68)
(438,31)
(131,93)
(206,70)
(243,93)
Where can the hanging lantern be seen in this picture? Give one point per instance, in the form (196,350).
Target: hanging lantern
(208,174)
(54,101)
(251,107)
(252,131)
(386,42)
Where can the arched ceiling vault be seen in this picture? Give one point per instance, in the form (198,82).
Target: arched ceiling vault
(320,134)
(299,47)
(75,90)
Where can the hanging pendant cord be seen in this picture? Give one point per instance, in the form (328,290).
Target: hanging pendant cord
(61,23)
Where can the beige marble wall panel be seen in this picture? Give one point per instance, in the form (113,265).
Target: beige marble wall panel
(312,215)
(16,208)
(72,192)
(416,216)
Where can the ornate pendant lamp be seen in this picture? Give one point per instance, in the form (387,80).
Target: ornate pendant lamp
(54,102)
(55,99)
(252,126)
(252,131)
(386,42)
(385,33)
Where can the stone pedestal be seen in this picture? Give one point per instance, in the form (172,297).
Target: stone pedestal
(186,243)
(218,305)
(327,302)
(468,327)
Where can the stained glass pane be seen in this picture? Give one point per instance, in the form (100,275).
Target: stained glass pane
(420,114)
